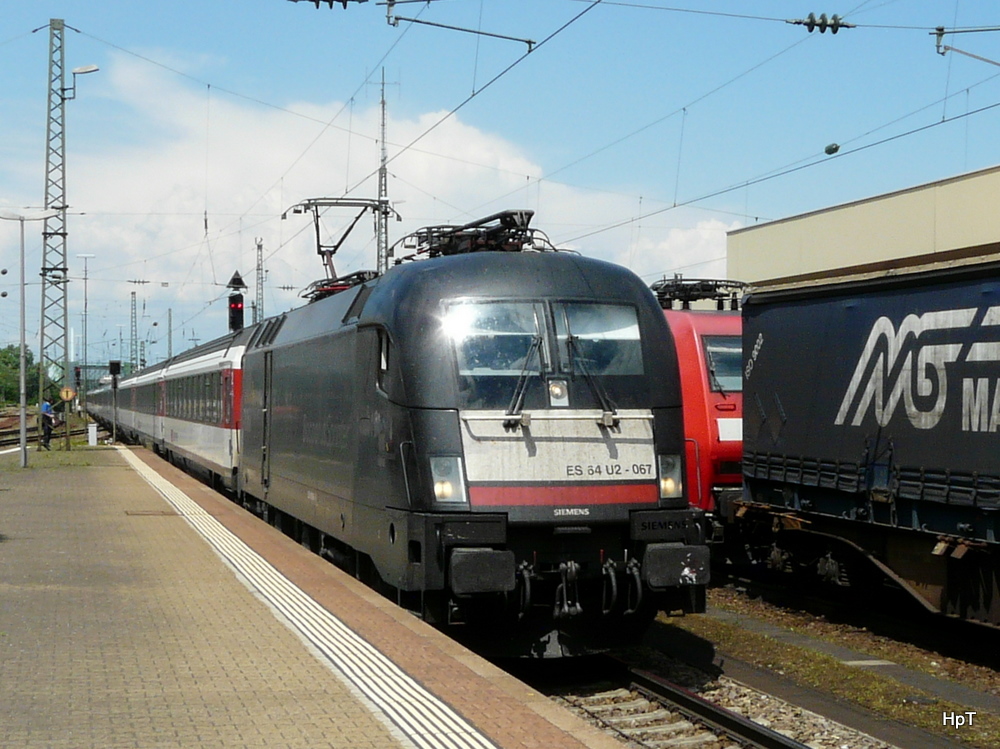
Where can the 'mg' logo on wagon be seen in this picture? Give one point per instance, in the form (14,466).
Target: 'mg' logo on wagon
(910,365)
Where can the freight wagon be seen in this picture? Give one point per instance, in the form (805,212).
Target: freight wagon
(872,405)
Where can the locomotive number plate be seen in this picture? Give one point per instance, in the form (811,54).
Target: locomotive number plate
(611,470)
(573,447)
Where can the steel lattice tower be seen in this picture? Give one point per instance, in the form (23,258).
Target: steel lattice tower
(258,310)
(382,215)
(133,349)
(54,353)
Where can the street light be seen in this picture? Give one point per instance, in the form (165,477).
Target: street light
(83,372)
(8,216)
(70,93)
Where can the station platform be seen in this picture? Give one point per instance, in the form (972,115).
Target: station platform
(138,608)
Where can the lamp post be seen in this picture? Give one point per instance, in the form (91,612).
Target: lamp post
(23,363)
(83,372)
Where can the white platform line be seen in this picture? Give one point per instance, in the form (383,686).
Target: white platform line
(422,717)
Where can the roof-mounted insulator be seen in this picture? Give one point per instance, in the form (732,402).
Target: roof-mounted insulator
(325,287)
(687,290)
(507,231)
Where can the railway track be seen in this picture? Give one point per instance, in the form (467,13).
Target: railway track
(656,713)
(649,700)
(12,437)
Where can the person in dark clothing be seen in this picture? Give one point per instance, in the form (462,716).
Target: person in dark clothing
(48,422)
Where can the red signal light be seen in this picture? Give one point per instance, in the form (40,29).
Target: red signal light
(235,312)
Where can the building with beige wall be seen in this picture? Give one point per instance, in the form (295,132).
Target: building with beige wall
(942,221)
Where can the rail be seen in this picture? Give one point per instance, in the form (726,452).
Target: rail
(12,437)
(713,716)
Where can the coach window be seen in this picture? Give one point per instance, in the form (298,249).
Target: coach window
(216,395)
(203,398)
(199,397)
(206,395)
(226,388)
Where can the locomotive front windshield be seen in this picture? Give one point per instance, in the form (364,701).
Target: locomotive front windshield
(505,346)
(495,339)
(724,359)
(599,339)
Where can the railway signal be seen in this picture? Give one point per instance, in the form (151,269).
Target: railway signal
(236,287)
(235,312)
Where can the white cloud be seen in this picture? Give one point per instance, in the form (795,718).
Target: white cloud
(697,251)
(174,155)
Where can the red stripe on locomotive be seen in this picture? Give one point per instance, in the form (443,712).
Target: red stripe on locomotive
(550,495)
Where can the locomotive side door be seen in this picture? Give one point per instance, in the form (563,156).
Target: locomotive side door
(265,455)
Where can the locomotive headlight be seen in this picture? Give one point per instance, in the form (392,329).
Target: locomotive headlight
(448,480)
(671,485)
(558,393)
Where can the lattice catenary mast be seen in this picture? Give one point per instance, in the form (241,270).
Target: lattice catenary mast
(54,354)
(258,310)
(382,212)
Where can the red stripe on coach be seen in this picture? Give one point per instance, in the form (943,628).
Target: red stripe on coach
(553,496)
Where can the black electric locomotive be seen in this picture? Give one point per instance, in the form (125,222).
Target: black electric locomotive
(491,434)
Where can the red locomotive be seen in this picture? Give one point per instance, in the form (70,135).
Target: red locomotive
(704,319)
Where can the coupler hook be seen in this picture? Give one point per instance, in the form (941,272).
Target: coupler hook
(567,597)
(609,595)
(525,572)
(632,572)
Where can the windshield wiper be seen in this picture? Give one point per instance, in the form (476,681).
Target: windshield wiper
(714,377)
(517,400)
(609,414)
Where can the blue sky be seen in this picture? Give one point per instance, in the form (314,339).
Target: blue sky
(638,132)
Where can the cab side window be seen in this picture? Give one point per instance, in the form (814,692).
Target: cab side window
(385,354)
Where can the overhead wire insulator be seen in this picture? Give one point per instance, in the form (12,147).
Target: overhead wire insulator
(835,23)
(329,3)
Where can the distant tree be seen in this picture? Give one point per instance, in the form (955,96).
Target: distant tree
(10,367)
